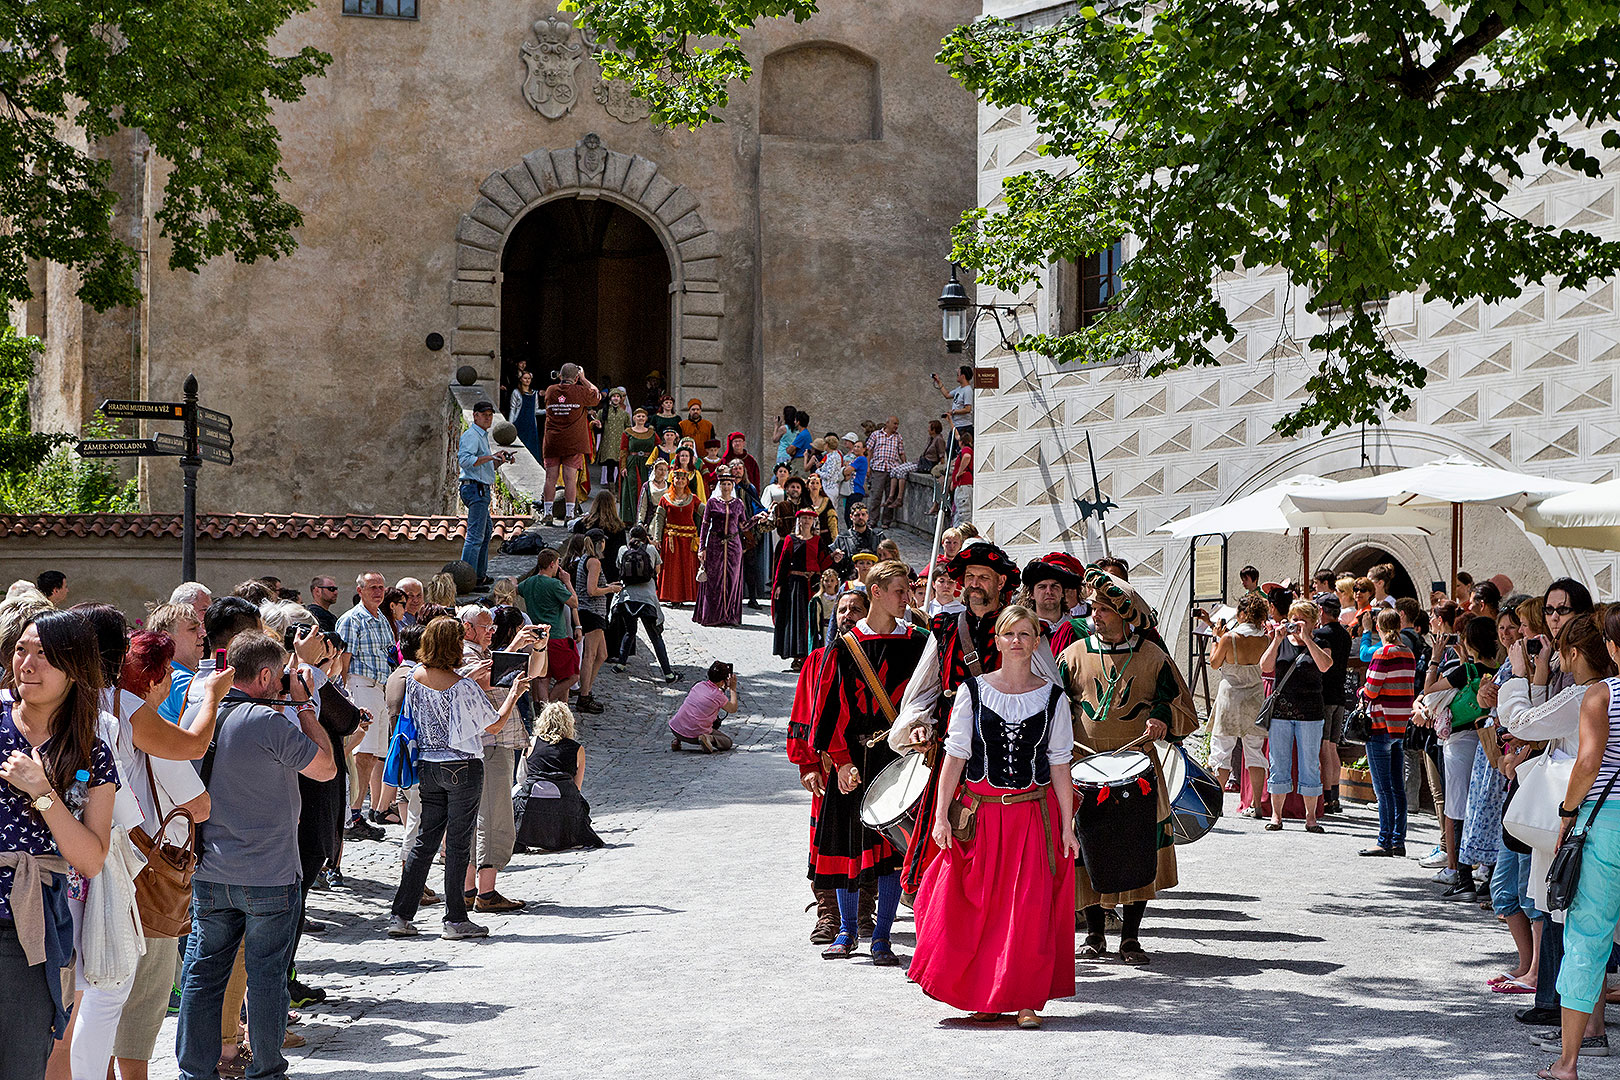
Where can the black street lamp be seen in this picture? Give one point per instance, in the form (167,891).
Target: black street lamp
(953,306)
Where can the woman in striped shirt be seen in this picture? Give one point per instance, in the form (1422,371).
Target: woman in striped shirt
(1391,686)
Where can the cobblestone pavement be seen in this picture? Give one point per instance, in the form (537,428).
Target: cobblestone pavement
(680,949)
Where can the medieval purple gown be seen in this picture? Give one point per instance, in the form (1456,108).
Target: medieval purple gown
(720,594)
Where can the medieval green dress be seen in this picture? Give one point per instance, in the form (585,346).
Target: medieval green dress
(635,465)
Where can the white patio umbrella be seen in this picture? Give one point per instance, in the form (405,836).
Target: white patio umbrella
(1455,481)
(1588,517)
(1300,504)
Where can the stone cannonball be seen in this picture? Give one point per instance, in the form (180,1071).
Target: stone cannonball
(466,577)
(503,432)
(466,374)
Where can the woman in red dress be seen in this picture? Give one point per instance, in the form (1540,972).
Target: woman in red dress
(995,913)
(676,533)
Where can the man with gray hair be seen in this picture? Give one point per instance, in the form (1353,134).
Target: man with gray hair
(476,460)
(568,436)
(413,600)
(369,641)
(194,595)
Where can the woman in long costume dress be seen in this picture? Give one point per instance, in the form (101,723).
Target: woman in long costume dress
(635,465)
(675,532)
(995,912)
(524,412)
(720,553)
(799,562)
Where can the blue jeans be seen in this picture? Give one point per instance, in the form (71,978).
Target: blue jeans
(1510,883)
(475,551)
(264,918)
(1386,760)
(1286,737)
(1589,923)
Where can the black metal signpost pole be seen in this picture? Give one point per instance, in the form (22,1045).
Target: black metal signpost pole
(189,464)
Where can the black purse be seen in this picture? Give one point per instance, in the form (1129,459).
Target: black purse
(1565,873)
(1262,719)
(1358,723)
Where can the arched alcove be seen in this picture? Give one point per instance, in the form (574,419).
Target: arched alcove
(821,91)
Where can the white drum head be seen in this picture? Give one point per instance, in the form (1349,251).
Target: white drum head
(894,791)
(1174,767)
(1110,768)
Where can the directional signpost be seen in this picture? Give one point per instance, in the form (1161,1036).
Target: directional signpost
(207,437)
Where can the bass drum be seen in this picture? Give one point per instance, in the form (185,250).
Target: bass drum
(1195,797)
(1116,819)
(890,803)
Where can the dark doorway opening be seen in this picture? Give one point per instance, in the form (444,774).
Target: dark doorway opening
(585,281)
(1362,559)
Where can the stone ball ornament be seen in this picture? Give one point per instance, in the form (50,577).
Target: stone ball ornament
(503,432)
(466,374)
(465,576)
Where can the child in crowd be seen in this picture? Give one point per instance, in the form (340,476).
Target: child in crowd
(824,603)
(697,721)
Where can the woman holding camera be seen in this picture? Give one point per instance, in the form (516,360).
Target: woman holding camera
(1295,737)
(1469,665)
(451,713)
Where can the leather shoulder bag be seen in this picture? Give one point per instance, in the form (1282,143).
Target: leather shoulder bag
(163,887)
(1564,876)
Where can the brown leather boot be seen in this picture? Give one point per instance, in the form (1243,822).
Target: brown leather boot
(826,917)
(864,910)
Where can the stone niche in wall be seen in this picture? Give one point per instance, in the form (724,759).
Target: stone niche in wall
(823,92)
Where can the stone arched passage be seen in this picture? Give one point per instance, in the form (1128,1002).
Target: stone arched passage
(590,170)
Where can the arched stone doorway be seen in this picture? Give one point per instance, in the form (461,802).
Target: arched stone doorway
(584,172)
(586,281)
(1363,558)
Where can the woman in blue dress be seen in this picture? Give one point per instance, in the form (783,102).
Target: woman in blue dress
(524,412)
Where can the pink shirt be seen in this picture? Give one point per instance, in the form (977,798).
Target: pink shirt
(699,711)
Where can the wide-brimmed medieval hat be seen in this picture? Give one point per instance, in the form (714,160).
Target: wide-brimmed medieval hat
(983,553)
(1055,566)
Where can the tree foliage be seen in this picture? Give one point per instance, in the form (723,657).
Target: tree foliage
(1363,147)
(198,77)
(20,449)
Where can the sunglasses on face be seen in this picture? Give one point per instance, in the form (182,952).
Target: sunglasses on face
(1561,609)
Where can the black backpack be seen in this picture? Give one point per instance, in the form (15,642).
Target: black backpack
(635,565)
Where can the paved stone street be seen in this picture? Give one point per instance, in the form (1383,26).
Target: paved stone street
(680,949)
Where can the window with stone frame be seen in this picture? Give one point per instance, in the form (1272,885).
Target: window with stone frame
(381,9)
(1087,288)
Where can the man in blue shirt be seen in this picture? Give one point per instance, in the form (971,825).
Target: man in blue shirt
(801,444)
(477,461)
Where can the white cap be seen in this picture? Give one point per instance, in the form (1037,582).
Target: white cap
(852,437)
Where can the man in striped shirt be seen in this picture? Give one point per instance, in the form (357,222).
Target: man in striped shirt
(369,641)
(1390,689)
(885,450)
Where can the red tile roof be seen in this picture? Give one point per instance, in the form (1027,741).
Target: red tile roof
(274,526)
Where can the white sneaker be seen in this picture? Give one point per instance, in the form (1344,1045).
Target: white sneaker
(398,927)
(455,931)
(1435,858)
(1447,877)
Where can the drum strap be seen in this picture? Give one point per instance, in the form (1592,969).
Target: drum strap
(869,676)
(970,655)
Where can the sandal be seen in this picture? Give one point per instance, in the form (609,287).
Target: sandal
(1512,986)
(1094,948)
(1130,952)
(882,954)
(1273,826)
(1314,828)
(840,949)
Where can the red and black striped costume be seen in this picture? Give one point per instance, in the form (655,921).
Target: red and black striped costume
(845,852)
(953,672)
(806,707)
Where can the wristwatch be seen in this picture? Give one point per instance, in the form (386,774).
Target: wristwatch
(43,802)
(1567,813)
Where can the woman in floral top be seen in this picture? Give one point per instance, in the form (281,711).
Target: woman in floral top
(56,806)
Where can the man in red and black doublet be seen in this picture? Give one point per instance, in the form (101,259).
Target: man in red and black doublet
(813,776)
(846,852)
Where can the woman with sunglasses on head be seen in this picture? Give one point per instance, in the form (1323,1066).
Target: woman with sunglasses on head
(56,808)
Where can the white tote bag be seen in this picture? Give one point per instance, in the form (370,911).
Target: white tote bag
(1532,816)
(113,939)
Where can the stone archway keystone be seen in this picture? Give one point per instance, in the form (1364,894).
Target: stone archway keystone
(590,170)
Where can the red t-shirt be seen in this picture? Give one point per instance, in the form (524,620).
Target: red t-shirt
(568,425)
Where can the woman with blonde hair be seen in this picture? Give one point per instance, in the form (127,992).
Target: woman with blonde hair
(551,813)
(1294,743)
(504,593)
(440,590)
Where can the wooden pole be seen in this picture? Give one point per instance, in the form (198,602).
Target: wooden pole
(1304,559)
(1456,546)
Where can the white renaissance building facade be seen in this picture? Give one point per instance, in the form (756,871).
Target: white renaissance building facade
(1528,385)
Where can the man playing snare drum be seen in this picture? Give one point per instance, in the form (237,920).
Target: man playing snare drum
(1122,687)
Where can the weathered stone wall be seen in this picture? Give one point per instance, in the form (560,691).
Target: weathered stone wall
(417,152)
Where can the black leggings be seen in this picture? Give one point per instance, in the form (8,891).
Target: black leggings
(631,610)
(1132,920)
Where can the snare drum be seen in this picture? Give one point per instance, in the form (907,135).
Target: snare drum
(890,804)
(1116,819)
(1195,797)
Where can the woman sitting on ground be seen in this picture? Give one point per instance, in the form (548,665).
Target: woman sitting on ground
(551,813)
(697,721)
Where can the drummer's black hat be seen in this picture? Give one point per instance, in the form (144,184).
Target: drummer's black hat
(983,553)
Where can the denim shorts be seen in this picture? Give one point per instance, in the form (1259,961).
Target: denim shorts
(1510,884)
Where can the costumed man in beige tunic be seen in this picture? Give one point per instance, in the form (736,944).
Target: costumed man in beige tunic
(1122,687)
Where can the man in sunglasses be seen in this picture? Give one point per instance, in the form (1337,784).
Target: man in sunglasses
(323,593)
